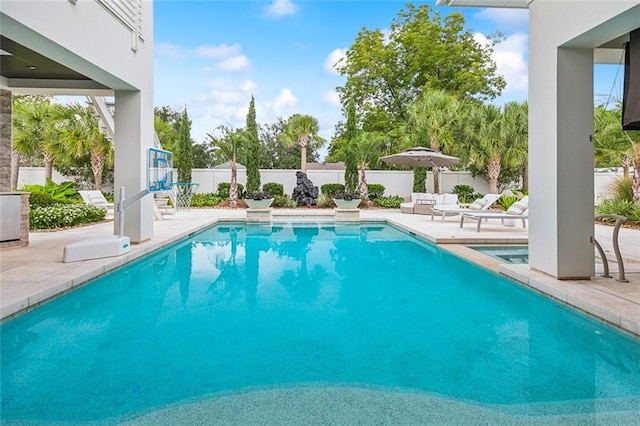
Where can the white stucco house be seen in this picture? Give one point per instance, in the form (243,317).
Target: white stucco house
(566,39)
(88,48)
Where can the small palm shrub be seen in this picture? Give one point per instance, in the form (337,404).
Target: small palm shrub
(505,201)
(64,215)
(628,209)
(273,188)
(64,192)
(375,190)
(390,202)
(205,200)
(330,189)
(224,187)
(283,201)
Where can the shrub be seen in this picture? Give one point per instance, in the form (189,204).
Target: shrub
(205,200)
(375,190)
(622,189)
(64,215)
(273,188)
(283,201)
(390,202)
(60,193)
(624,208)
(505,201)
(466,193)
(348,196)
(224,187)
(325,201)
(330,189)
(41,199)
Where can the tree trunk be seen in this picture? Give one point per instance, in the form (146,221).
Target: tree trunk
(233,187)
(436,180)
(494,172)
(364,190)
(525,178)
(303,158)
(15,169)
(48,166)
(97,166)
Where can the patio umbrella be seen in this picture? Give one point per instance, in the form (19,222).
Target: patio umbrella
(421,157)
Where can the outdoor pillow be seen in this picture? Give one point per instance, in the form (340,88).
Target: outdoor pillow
(477,204)
(517,208)
(451,198)
(440,199)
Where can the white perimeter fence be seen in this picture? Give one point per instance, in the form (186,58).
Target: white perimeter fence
(395,182)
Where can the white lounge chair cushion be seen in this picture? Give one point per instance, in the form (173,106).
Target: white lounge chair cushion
(450,199)
(477,204)
(517,208)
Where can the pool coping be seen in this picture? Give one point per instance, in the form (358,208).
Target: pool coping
(592,297)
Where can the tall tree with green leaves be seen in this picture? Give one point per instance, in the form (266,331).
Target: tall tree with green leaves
(423,51)
(185,149)
(253,149)
(516,133)
(303,131)
(431,122)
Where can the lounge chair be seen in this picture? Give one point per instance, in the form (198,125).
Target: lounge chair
(96,198)
(479,205)
(518,210)
(417,198)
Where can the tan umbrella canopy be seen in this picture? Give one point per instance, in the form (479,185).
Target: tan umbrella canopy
(421,157)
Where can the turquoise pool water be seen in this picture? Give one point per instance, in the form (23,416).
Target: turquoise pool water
(239,308)
(509,254)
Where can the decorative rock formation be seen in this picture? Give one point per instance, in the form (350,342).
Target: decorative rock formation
(304,194)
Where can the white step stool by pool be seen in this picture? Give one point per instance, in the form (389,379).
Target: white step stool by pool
(94,248)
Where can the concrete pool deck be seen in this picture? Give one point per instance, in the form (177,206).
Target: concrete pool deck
(34,274)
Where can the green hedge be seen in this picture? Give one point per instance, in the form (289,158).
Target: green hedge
(390,202)
(375,190)
(205,200)
(331,189)
(273,188)
(64,215)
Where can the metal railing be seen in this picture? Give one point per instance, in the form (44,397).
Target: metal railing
(616,248)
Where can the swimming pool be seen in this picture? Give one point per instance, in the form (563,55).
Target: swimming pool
(509,254)
(265,314)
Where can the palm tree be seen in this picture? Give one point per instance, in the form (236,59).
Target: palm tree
(516,133)
(34,131)
(431,122)
(364,148)
(612,145)
(302,130)
(229,144)
(80,133)
(484,134)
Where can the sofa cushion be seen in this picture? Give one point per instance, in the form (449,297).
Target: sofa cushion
(450,199)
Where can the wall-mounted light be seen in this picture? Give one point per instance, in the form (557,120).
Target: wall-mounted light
(31,67)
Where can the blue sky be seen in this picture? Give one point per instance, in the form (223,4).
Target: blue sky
(211,56)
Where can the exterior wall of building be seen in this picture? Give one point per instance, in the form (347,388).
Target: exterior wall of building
(561,51)
(87,38)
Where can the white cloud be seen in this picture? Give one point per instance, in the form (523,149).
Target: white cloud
(280,8)
(331,97)
(284,100)
(332,60)
(169,50)
(248,86)
(234,64)
(509,56)
(217,52)
(513,19)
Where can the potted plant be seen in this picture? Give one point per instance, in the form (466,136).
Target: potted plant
(258,200)
(346,200)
